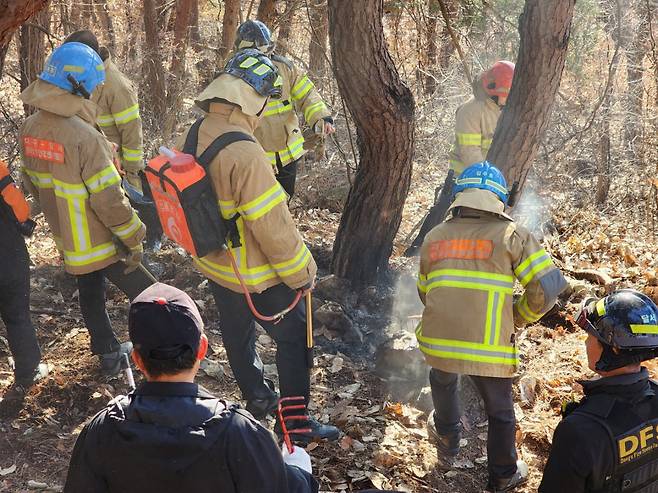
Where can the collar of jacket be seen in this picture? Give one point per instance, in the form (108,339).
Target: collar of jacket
(632,387)
(48,97)
(173,389)
(234,115)
(481,200)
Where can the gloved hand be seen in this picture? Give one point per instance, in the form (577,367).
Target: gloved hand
(308,287)
(134,258)
(298,458)
(135,180)
(324,126)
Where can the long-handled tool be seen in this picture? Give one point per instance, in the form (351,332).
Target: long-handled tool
(309,330)
(125,365)
(287,404)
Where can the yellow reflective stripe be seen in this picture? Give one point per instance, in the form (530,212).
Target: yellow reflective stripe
(262,69)
(295,264)
(600,307)
(458,166)
(70,190)
(469,181)
(226,273)
(73,68)
(127,115)
(79,226)
(106,178)
(486,143)
(534,264)
(293,152)
(277,107)
(40,180)
(272,157)
(310,112)
(644,329)
(302,88)
(469,139)
(422,283)
(80,258)
(131,154)
(466,279)
(249,62)
(466,351)
(105,120)
(129,229)
(495,185)
(263,204)
(227,208)
(525,311)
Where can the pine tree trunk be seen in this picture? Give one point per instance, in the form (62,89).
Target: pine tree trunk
(285,21)
(545,27)
(31,46)
(229,27)
(267,12)
(195,34)
(383,110)
(108,26)
(13,13)
(317,46)
(153,68)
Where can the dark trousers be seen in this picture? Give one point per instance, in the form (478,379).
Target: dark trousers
(91,289)
(149,216)
(15,304)
(499,406)
(238,327)
(287,175)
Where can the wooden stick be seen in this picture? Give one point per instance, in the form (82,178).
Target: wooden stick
(309,330)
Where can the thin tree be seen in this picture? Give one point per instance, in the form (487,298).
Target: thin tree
(267,12)
(153,69)
(317,46)
(13,13)
(229,27)
(31,46)
(545,27)
(383,110)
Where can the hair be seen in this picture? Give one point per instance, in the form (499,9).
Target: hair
(168,361)
(85,37)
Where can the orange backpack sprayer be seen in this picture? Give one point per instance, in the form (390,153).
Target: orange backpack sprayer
(14,200)
(187,206)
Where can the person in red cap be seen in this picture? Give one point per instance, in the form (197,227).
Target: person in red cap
(170,434)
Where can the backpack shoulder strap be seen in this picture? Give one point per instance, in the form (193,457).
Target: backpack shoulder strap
(192,138)
(220,143)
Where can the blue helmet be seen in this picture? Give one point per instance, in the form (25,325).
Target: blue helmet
(257,70)
(254,34)
(484,176)
(74,67)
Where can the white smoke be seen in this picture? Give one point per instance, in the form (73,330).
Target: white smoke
(531,211)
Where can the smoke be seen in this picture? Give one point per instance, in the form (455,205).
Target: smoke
(531,211)
(406,304)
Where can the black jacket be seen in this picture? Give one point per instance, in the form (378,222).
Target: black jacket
(582,455)
(176,437)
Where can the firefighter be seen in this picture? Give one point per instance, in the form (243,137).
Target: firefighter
(119,119)
(467,269)
(273,261)
(68,168)
(279,131)
(172,435)
(475,124)
(15,223)
(608,441)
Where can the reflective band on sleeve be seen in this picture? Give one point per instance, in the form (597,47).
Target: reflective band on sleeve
(302,88)
(90,256)
(533,265)
(131,154)
(251,277)
(105,120)
(263,204)
(466,351)
(127,115)
(69,190)
(40,180)
(129,229)
(291,153)
(486,144)
(291,267)
(106,178)
(422,283)
(525,311)
(644,329)
(272,157)
(227,208)
(466,279)
(469,139)
(312,110)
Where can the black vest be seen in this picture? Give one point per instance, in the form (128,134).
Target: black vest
(632,439)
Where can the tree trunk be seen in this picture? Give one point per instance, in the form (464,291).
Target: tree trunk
(229,27)
(370,84)
(267,12)
(133,23)
(285,23)
(317,46)
(545,27)
(195,34)
(13,13)
(438,59)
(153,69)
(108,26)
(31,41)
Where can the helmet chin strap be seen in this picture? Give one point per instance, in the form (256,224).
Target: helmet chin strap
(78,88)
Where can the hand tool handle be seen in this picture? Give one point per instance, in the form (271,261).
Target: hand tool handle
(309,330)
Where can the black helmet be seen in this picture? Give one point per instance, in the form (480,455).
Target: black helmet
(626,321)
(254,34)
(257,70)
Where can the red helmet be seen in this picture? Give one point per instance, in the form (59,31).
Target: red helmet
(497,81)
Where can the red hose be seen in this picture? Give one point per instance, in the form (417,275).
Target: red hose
(276,318)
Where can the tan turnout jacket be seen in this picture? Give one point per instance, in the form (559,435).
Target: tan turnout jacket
(278,131)
(118,116)
(468,266)
(272,250)
(68,168)
(475,124)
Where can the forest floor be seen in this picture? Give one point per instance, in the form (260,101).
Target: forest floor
(384,442)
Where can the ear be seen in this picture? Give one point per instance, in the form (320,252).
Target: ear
(203,347)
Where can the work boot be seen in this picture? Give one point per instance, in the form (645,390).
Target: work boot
(111,362)
(318,431)
(260,408)
(508,484)
(447,446)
